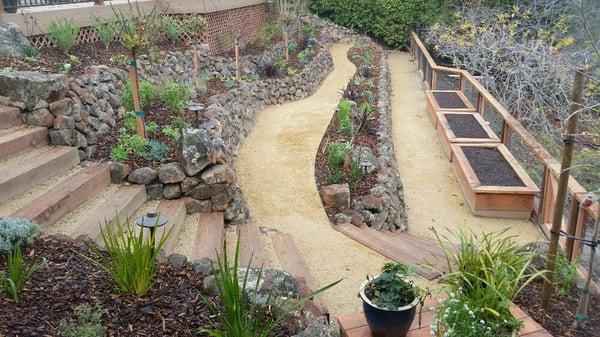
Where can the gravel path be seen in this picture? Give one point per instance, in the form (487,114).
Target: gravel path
(275,168)
(432,194)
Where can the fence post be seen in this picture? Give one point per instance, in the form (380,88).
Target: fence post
(506,134)
(1,7)
(480,103)
(572,227)
(462,82)
(434,79)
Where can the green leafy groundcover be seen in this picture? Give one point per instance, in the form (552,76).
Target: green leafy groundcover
(388,20)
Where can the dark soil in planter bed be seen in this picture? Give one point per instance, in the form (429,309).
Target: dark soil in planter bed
(465,126)
(51,60)
(449,100)
(366,137)
(491,167)
(173,307)
(559,320)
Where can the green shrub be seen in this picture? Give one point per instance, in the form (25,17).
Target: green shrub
(281,65)
(148,95)
(175,96)
(87,323)
(172,28)
(268,32)
(15,232)
(170,132)
(336,177)
(128,144)
(18,274)
(235,314)
(151,127)
(291,71)
(130,258)
(63,33)
(565,275)
(366,109)
(344,115)
(337,153)
(106,29)
(195,25)
(388,20)
(304,56)
(292,47)
(156,151)
(180,123)
(356,174)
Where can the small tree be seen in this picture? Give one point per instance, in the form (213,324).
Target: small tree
(195,25)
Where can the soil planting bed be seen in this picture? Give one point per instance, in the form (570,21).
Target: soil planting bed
(367,136)
(558,321)
(465,126)
(175,305)
(491,167)
(449,100)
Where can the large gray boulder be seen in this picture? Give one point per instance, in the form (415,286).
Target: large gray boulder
(12,40)
(199,149)
(29,87)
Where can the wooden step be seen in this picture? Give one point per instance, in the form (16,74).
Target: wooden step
(403,248)
(122,206)
(174,210)
(210,236)
(22,139)
(19,177)
(9,117)
(52,205)
(291,260)
(251,248)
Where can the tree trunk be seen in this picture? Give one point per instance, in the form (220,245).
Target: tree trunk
(135,92)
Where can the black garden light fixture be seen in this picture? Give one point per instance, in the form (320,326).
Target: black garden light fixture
(152,220)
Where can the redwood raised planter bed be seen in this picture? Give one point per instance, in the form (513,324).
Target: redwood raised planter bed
(463,127)
(446,100)
(493,182)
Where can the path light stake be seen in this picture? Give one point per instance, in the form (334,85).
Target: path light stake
(582,307)
(152,220)
(563,182)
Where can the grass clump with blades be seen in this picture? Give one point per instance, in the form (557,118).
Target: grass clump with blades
(236,316)
(18,273)
(131,257)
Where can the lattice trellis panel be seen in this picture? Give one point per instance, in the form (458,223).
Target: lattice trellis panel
(222,27)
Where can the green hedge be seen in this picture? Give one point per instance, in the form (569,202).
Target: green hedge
(388,20)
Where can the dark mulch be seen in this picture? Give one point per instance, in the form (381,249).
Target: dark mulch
(558,321)
(52,60)
(366,137)
(490,167)
(465,126)
(449,100)
(175,305)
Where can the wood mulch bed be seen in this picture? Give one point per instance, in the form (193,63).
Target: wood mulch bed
(559,320)
(465,126)
(490,167)
(366,137)
(175,306)
(449,100)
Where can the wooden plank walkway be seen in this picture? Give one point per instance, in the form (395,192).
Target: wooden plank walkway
(209,236)
(291,261)
(403,248)
(174,210)
(251,249)
(355,325)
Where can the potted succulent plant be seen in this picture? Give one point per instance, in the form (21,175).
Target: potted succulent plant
(390,301)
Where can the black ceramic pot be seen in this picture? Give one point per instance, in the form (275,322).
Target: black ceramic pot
(388,323)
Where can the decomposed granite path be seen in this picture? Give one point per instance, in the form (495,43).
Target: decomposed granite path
(275,168)
(431,191)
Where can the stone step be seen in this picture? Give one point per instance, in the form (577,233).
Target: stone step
(209,236)
(22,139)
(9,117)
(17,176)
(121,206)
(62,199)
(174,210)
(251,247)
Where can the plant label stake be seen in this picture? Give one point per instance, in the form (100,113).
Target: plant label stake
(563,181)
(582,307)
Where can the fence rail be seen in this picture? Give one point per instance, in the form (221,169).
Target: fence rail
(531,154)
(11,6)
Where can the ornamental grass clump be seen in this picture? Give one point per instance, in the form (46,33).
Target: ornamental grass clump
(63,33)
(18,273)
(131,257)
(484,276)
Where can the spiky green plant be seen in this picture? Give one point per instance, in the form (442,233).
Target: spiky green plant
(18,273)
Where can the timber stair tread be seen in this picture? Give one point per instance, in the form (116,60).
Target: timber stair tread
(125,202)
(48,208)
(9,117)
(22,139)
(210,236)
(291,260)
(403,248)
(174,210)
(19,175)
(252,251)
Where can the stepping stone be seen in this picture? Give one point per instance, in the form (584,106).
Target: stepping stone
(174,210)
(209,236)
(291,260)
(22,139)
(251,249)
(9,117)
(122,206)
(20,176)
(62,199)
